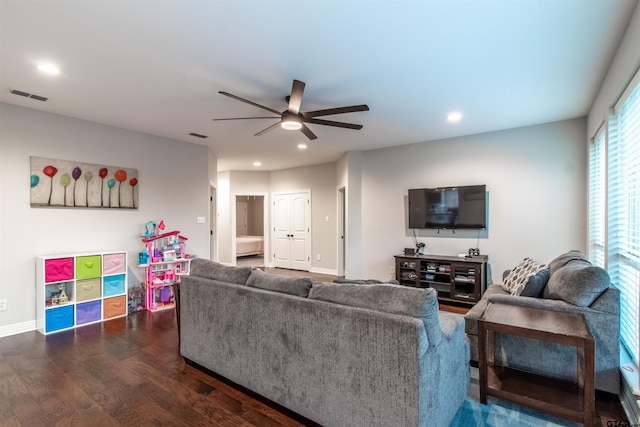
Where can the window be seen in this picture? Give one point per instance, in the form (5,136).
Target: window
(614,209)
(597,198)
(624,214)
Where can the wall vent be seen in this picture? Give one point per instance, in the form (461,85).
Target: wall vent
(28,95)
(19,92)
(38,97)
(198,135)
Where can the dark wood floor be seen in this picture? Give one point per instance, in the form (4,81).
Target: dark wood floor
(125,372)
(129,372)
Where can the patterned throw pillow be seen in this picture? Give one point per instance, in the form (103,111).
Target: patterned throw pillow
(517,279)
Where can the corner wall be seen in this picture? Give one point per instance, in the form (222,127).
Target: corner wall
(535,178)
(174,186)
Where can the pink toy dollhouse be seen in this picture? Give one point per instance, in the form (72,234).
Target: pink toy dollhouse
(167,261)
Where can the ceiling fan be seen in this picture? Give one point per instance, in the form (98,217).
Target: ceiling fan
(293,119)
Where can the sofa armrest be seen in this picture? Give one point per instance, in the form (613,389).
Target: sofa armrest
(608,303)
(541,303)
(451,324)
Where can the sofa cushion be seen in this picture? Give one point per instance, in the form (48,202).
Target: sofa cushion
(237,275)
(216,271)
(517,278)
(535,284)
(298,286)
(203,267)
(565,258)
(415,302)
(578,282)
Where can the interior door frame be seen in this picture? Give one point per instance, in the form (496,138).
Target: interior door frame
(342,237)
(265,224)
(213,222)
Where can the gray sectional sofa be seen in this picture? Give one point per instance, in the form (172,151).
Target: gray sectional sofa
(571,284)
(336,354)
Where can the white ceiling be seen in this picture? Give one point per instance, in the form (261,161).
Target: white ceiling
(156,67)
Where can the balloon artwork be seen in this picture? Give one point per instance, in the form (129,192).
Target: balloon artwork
(65,186)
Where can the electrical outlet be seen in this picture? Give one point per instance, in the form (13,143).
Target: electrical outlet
(3,304)
(392,269)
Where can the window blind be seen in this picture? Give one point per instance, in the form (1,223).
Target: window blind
(597,199)
(623,216)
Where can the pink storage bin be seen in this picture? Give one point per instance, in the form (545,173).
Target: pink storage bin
(113,263)
(57,270)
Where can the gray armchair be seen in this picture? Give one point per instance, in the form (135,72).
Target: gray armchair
(602,316)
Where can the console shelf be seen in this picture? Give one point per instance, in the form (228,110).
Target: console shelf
(459,280)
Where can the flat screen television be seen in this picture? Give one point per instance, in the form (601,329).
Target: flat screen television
(462,207)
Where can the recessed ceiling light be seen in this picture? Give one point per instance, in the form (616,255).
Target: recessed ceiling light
(302,146)
(454,117)
(257,164)
(49,68)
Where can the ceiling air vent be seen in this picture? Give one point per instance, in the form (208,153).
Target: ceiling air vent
(28,95)
(198,135)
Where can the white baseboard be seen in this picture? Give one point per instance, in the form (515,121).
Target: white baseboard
(17,328)
(324,271)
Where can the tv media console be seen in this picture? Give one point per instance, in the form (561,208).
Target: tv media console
(457,280)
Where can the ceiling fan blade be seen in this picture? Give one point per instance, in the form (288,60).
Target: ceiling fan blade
(295,100)
(332,123)
(339,110)
(237,98)
(263,131)
(307,132)
(244,118)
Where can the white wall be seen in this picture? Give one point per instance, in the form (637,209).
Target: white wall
(174,186)
(535,178)
(224,231)
(350,178)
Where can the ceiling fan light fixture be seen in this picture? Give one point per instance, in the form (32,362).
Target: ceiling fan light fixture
(291,124)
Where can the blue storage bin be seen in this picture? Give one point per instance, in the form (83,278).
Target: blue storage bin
(58,318)
(113,285)
(87,312)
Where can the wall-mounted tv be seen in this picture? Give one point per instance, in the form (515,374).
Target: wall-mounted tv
(462,207)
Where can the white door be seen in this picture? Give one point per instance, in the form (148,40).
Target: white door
(292,230)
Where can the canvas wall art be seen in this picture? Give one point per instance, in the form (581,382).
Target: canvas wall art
(65,183)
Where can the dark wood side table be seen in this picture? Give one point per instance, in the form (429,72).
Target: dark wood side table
(565,399)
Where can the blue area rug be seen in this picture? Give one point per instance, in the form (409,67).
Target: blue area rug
(500,413)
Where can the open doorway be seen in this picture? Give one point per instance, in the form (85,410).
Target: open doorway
(250,230)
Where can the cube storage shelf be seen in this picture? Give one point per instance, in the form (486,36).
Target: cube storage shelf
(79,289)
